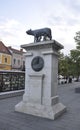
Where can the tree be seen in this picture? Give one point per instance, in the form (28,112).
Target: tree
(63,64)
(75,55)
(77,40)
(70,65)
(75,58)
(67,64)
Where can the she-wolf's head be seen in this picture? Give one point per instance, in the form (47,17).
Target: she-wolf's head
(29,31)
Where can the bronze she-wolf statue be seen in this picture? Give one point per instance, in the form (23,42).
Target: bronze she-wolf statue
(39,33)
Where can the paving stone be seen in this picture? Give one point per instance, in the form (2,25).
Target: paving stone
(11,120)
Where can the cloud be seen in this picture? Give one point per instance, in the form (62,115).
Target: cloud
(12,32)
(62,16)
(64,21)
(8,27)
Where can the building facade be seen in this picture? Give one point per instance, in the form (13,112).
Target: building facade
(5,57)
(18,59)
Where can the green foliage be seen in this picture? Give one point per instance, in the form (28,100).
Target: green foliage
(67,65)
(77,40)
(70,65)
(75,57)
(63,64)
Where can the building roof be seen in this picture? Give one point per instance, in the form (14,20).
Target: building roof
(4,49)
(15,50)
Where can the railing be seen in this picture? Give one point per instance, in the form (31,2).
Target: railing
(12,80)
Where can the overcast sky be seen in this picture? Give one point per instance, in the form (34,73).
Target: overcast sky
(17,16)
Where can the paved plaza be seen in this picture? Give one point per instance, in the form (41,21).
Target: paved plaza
(11,120)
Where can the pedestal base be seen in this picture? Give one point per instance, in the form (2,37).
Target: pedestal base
(50,112)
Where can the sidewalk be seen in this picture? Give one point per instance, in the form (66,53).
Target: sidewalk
(11,120)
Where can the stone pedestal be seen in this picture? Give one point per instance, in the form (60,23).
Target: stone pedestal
(40,97)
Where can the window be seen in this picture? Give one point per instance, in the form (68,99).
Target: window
(14,61)
(23,63)
(18,62)
(5,60)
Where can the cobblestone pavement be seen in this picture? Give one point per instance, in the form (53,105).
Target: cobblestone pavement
(11,120)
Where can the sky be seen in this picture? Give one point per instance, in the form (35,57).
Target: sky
(18,16)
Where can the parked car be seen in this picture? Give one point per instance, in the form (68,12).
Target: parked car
(62,79)
(76,79)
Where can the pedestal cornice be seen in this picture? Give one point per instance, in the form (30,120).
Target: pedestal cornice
(43,44)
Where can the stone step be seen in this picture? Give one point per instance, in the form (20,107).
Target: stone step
(11,94)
